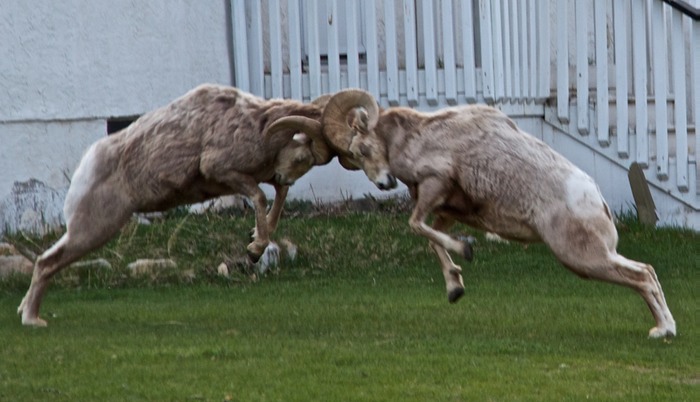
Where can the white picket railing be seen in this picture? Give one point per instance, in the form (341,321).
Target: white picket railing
(406,52)
(620,75)
(636,86)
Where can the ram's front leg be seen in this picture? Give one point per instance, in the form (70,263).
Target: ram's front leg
(273,216)
(451,271)
(246,185)
(428,195)
(262,233)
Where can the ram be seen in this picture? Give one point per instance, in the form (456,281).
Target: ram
(472,164)
(212,141)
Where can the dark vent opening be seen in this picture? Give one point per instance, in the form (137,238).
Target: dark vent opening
(118,124)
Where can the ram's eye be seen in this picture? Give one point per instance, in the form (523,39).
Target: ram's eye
(365,150)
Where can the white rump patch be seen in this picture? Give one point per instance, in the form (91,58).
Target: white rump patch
(81,182)
(583,196)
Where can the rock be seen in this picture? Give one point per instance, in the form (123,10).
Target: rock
(99,263)
(150,266)
(219,204)
(8,249)
(15,264)
(222,269)
(495,238)
(148,217)
(291,249)
(189,275)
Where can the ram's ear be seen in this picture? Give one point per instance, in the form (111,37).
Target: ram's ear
(335,117)
(295,125)
(301,138)
(359,120)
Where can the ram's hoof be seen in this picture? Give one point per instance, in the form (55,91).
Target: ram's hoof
(467,251)
(657,332)
(251,234)
(35,322)
(254,257)
(455,294)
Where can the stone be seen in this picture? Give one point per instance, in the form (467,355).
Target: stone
(150,266)
(15,264)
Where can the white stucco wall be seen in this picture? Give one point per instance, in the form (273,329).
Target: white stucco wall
(73,59)
(67,66)
(36,161)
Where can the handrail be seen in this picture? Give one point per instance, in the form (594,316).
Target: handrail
(685,7)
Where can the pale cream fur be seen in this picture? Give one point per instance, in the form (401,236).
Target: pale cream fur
(472,164)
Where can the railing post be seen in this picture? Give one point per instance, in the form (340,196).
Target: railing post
(582,66)
(601,65)
(516,35)
(448,52)
(431,92)
(486,49)
(543,90)
(370,21)
(679,96)
(392,53)
(353,48)
(255,40)
(621,8)
(695,66)
(409,26)
(333,55)
(295,72)
(241,77)
(639,53)
(660,68)
(562,62)
(468,51)
(497,50)
(313,50)
(508,66)
(276,65)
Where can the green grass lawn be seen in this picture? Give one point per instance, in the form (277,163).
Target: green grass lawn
(361,314)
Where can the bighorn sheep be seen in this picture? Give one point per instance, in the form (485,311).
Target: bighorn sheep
(472,164)
(212,141)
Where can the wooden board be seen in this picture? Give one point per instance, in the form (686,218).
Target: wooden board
(646,209)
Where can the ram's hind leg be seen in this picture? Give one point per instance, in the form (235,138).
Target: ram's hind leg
(451,271)
(589,251)
(90,226)
(46,265)
(642,278)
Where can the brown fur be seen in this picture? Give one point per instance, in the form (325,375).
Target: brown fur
(204,144)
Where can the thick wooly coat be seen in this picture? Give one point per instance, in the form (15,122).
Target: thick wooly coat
(207,143)
(472,164)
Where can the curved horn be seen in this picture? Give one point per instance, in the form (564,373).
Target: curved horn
(322,100)
(335,116)
(294,124)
